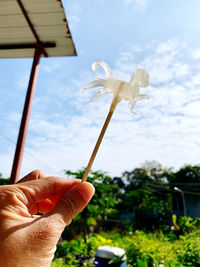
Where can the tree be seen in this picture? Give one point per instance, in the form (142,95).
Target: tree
(3,181)
(146,191)
(106,192)
(156,172)
(104,201)
(187,174)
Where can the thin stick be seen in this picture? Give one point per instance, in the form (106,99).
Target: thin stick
(109,116)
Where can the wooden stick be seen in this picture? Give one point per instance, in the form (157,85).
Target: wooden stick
(109,116)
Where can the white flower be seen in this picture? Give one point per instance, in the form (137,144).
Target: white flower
(128,91)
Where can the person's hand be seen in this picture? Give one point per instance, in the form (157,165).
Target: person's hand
(27,239)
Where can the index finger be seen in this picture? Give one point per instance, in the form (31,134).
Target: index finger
(34,175)
(38,190)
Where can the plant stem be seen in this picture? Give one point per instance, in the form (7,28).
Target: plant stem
(113,105)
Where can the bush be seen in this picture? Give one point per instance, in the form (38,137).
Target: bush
(184,225)
(4,181)
(188,251)
(142,249)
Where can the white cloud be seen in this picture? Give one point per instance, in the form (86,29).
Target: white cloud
(22,81)
(168,46)
(64,127)
(154,134)
(195,53)
(73,16)
(6,163)
(139,5)
(193,108)
(14,117)
(196,79)
(181,69)
(165,63)
(51,67)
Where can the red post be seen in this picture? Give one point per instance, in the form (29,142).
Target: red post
(25,116)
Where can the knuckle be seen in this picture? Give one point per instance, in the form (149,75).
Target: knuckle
(35,173)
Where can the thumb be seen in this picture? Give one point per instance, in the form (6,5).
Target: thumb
(70,204)
(45,231)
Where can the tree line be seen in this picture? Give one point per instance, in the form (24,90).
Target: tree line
(146,190)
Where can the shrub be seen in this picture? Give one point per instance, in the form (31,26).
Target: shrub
(142,249)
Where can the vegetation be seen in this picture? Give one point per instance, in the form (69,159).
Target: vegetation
(153,236)
(187,174)
(146,191)
(106,198)
(3,181)
(142,249)
(161,238)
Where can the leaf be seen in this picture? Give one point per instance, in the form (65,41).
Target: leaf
(116,260)
(91,221)
(141,263)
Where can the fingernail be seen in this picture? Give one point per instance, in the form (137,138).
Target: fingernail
(86,190)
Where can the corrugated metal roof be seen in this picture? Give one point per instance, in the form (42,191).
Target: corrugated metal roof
(49,21)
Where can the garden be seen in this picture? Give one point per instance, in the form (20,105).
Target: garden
(157,234)
(149,212)
(142,249)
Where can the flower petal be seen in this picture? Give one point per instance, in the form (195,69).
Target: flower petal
(128,91)
(131,105)
(140,77)
(93,84)
(101,92)
(104,66)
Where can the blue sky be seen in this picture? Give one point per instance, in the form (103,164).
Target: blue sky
(164,36)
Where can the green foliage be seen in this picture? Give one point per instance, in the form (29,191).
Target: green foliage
(150,172)
(104,202)
(187,174)
(3,181)
(91,221)
(75,246)
(189,254)
(141,263)
(146,191)
(156,205)
(116,260)
(188,249)
(136,198)
(145,249)
(59,263)
(102,206)
(184,225)
(142,249)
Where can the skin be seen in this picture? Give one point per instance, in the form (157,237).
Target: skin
(27,239)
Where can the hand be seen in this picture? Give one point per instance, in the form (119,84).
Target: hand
(27,239)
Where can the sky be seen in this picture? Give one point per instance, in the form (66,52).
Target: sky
(164,37)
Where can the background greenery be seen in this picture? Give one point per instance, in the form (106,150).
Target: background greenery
(157,238)
(154,236)
(142,249)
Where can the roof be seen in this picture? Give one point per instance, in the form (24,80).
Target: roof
(49,22)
